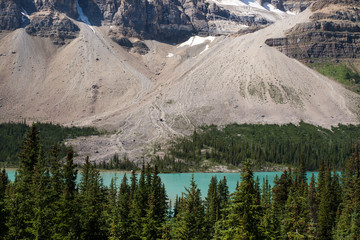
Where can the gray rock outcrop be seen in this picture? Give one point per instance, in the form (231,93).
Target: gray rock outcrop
(330,34)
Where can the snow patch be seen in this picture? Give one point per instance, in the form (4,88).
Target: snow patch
(272,8)
(25,15)
(170,55)
(253,3)
(83,17)
(290,13)
(230,2)
(196,40)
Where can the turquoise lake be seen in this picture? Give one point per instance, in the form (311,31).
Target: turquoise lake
(175,183)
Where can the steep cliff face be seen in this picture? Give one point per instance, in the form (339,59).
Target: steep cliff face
(10,15)
(333,32)
(43,18)
(164,20)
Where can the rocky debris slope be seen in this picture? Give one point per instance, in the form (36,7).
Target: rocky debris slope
(332,32)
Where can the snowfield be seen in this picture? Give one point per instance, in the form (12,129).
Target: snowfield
(196,40)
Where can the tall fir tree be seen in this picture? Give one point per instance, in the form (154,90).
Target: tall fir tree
(92,202)
(4,181)
(244,212)
(20,201)
(212,205)
(190,221)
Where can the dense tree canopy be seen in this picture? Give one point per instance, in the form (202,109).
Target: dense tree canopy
(45,202)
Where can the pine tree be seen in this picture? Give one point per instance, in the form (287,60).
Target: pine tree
(4,181)
(157,208)
(42,221)
(92,202)
(212,206)
(66,222)
(295,222)
(347,226)
(223,191)
(20,201)
(313,203)
(190,221)
(244,212)
(122,226)
(326,216)
(269,223)
(140,202)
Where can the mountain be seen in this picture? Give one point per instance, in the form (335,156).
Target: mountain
(150,70)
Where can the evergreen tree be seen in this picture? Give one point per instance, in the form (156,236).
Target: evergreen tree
(190,221)
(223,191)
(313,202)
(244,212)
(295,222)
(42,221)
(269,223)
(121,229)
(327,204)
(157,208)
(67,220)
(4,181)
(92,202)
(212,206)
(20,201)
(347,226)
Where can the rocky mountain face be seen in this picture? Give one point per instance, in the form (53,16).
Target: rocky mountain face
(10,15)
(164,20)
(333,32)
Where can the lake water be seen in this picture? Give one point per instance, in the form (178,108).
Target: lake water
(175,183)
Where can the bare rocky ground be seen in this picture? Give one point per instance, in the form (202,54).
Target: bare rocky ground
(143,100)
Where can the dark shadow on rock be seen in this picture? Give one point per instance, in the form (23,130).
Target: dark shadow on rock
(92,11)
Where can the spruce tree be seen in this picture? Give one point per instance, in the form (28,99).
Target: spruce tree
(244,212)
(4,181)
(67,220)
(20,201)
(122,227)
(212,205)
(347,226)
(190,221)
(326,216)
(92,202)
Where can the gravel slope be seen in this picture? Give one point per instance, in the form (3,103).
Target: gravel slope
(146,99)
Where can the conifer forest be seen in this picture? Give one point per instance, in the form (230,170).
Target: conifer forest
(45,201)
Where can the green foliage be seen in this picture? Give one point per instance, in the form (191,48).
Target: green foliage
(264,145)
(190,221)
(116,163)
(44,202)
(244,211)
(341,72)
(12,134)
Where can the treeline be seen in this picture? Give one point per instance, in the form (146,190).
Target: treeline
(45,203)
(264,145)
(12,135)
(117,163)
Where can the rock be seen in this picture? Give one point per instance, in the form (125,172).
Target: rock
(141,48)
(330,34)
(58,29)
(122,41)
(10,15)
